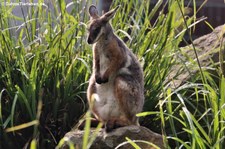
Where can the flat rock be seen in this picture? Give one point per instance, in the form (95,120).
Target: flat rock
(117,138)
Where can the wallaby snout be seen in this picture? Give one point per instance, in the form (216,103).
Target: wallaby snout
(90,40)
(94,34)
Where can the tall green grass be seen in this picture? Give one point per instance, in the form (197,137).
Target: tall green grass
(45,64)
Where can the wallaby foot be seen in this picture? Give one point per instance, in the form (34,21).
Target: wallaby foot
(114,124)
(94,124)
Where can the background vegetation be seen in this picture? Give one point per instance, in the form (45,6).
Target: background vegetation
(45,64)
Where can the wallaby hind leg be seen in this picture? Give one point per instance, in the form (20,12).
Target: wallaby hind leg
(115,123)
(128,92)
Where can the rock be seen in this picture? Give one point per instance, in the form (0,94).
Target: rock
(114,139)
(207,47)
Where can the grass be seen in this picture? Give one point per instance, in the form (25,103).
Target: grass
(45,64)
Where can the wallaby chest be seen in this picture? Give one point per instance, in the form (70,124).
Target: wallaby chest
(103,58)
(106,104)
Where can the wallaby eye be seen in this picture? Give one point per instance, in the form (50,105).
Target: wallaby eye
(96,31)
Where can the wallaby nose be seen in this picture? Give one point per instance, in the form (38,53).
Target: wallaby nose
(89,40)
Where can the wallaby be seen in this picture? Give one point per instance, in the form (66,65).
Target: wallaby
(116,87)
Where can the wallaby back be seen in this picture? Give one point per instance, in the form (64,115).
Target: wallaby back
(116,89)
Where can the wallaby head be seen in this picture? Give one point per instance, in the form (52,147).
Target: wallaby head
(99,26)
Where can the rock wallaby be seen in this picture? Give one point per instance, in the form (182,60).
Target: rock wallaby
(116,89)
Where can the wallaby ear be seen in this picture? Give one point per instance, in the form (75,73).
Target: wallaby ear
(110,14)
(93,12)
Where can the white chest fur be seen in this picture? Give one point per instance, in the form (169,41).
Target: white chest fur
(104,63)
(103,59)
